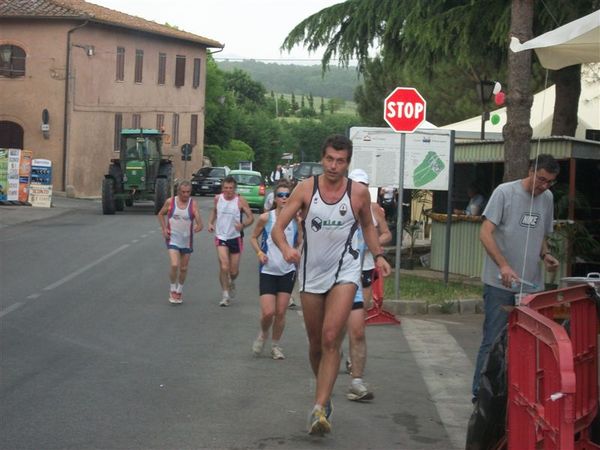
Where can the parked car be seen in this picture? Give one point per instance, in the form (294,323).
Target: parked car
(208,180)
(306,170)
(251,186)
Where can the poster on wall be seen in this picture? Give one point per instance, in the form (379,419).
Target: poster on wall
(3,174)
(24,174)
(14,155)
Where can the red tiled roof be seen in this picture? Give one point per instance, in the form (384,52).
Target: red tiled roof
(80,9)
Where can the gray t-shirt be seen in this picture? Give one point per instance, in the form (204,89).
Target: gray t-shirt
(509,209)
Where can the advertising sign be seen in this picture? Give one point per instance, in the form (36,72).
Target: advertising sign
(14,155)
(40,195)
(3,174)
(427,161)
(24,174)
(426,157)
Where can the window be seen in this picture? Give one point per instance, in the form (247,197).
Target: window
(139,62)
(194,130)
(12,61)
(162,67)
(136,121)
(180,71)
(196,79)
(160,121)
(175,131)
(118,128)
(120,63)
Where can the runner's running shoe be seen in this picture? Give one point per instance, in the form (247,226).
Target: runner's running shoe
(277,353)
(318,423)
(224,301)
(359,392)
(257,346)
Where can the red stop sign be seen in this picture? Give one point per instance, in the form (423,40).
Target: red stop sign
(404,109)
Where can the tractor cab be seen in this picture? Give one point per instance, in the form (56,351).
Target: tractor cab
(140,157)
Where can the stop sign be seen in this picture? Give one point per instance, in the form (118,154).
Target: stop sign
(404,109)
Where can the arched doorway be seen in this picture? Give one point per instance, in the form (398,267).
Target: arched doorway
(11,134)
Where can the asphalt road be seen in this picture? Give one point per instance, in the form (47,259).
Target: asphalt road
(92,356)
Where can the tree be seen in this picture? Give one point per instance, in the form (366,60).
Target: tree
(247,93)
(422,34)
(517,131)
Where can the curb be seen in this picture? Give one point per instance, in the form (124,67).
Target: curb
(417,307)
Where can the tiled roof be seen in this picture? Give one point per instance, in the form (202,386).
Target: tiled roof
(81,9)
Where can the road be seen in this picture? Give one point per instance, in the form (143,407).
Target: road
(92,356)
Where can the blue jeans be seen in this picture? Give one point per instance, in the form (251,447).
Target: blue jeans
(495,320)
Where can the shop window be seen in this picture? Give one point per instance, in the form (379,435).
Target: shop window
(11,134)
(136,121)
(160,121)
(175,131)
(118,128)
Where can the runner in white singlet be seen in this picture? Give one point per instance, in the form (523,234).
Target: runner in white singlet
(182,221)
(276,275)
(358,390)
(226,221)
(332,208)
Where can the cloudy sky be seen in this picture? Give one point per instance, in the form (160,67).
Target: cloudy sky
(248,28)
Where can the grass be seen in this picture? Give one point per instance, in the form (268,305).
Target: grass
(348,108)
(432,291)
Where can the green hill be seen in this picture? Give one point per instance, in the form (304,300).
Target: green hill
(337,82)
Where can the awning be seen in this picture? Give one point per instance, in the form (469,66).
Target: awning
(576,42)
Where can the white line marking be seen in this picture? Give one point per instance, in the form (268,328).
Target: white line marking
(144,236)
(34,296)
(85,268)
(447,372)
(135,241)
(10,309)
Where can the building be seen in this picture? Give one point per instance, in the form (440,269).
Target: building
(73,74)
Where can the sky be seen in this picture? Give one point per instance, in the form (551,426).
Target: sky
(250,29)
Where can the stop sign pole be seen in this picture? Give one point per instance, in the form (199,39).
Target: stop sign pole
(404,110)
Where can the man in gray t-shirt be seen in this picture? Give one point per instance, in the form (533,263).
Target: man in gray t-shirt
(517,219)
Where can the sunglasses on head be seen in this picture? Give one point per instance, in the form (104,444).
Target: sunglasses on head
(283,194)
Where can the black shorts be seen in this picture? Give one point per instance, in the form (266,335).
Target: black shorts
(272,284)
(235,245)
(367,278)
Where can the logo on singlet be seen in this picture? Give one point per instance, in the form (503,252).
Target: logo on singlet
(316,224)
(529,220)
(343,209)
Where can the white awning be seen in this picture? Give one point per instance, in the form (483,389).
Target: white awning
(576,42)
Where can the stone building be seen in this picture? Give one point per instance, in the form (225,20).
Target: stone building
(73,74)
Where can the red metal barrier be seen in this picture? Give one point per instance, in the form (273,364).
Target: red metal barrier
(376,315)
(553,371)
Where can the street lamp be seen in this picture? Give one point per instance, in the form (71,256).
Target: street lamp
(485,89)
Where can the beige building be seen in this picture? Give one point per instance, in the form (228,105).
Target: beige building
(73,74)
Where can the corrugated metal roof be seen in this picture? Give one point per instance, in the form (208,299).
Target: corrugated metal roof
(80,9)
(561,147)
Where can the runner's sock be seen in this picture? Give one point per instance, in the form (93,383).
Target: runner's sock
(179,288)
(173,287)
(274,343)
(357,380)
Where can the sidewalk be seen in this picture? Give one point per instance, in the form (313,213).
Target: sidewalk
(11,215)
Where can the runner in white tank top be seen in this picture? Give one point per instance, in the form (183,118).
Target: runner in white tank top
(226,221)
(332,206)
(330,254)
(276,275)
(179,219)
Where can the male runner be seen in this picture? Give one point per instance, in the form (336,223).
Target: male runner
(332,207)
(226,221)
(358,390)
(183,220)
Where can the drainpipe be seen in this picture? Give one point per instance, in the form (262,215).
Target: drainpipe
(66,115)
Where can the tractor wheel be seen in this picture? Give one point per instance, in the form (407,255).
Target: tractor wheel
(129,202)
(108,196)
(161,193)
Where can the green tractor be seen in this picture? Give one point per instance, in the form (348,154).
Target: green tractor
(140,173)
